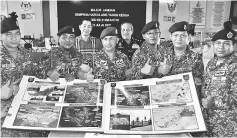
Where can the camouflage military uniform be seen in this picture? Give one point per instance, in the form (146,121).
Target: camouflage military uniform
(56,59)
(221,83)
(12,70)
(128,49)
(111,70)
(188,62)
(140,58)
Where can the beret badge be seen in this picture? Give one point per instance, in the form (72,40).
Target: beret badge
(185,27)
(156,25)
(116,31)
(73,30)
(229,35)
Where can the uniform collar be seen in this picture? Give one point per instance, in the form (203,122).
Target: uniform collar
(80,38)
(228,60)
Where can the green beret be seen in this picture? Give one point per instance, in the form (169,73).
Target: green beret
(10,23)
(109,31)
(179,26)
(67,30)
(150,26)
(226,34)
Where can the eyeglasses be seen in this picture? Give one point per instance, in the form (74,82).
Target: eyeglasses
(10,35)
(154,33)
(226,43)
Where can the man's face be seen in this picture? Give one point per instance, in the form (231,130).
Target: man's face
(11,39)
(180,38)
(85,27)
(152,36)
(223,48)
(109,42)
(126,31)
(67,41)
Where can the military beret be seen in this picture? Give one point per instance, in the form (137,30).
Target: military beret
(109,31)
(226,34)
(67,30)
(179,26)
(149,26)
(10,23)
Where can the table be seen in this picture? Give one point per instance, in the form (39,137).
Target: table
(55,134)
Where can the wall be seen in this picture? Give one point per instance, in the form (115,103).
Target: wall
(182,14)
(54,16)
(30,26)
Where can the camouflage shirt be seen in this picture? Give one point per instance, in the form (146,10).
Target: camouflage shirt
(220,81)
(188,62)
(56,59)
(12,70)
(128,49)
(140,58)
(111,70)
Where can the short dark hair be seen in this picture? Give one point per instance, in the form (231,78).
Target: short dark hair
(85,19)
(126,23)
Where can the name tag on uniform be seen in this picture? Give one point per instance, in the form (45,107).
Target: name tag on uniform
(135,46)
(220,73)
(8,65)
(120,63)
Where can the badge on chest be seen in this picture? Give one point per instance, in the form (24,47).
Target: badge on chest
(220,73)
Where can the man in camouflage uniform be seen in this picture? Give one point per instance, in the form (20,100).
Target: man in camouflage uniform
(146,59)
(220,85)
(15,62)
(179,58)
(111,64)
(64,61)
(128,44)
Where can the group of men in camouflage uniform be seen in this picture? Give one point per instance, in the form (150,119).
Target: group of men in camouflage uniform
(117,59)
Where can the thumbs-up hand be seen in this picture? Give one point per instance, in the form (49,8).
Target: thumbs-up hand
(6,91)
(53,75)
(147,69)
(89,76)
(164,67)
(208,102)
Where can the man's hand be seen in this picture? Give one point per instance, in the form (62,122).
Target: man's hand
(89,76)
(53,75)
(147,69)
(6,91)
(4,111)
(85,68)
(164,68)
(69,77)
(208,102)
(128,73)
(15,87)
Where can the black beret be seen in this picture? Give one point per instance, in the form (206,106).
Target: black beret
(10,23)
(109,31)
(67,30)
(179,26)
(226,34)
(149,26)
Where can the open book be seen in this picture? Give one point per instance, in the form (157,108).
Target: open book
(149,106)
